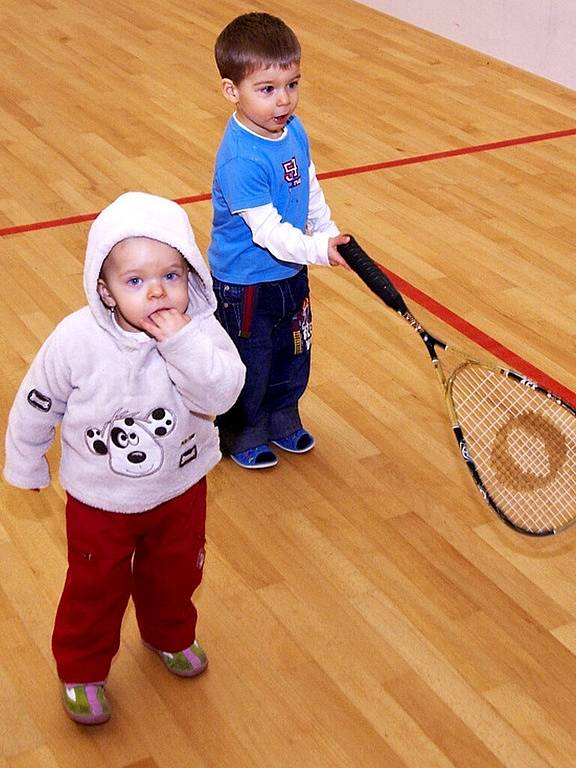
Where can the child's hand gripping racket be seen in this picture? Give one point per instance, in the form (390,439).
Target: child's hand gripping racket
(518,439)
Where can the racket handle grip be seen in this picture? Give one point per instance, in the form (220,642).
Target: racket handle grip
(372,275)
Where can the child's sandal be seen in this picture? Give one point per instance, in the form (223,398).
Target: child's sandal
(260,457)
(190,662)
(86,703)
(300,441)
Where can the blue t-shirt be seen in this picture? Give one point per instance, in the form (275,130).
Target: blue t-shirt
(251,171)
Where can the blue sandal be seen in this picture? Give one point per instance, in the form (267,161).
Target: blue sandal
(300,441)
(260,457)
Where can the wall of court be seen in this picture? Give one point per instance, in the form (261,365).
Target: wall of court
(536,35)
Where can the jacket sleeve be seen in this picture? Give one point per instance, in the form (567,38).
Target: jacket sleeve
(204,365)
(38,407)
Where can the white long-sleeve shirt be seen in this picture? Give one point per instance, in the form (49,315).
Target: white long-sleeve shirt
(287,242)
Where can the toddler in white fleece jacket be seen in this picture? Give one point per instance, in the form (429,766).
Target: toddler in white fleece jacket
(134,379)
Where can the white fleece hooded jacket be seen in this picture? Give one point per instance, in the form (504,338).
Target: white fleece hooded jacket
(136,414)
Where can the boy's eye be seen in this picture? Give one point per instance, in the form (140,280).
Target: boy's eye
(293,85)
(134,281)
(267,89)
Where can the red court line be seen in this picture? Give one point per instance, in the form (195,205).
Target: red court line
(50,224)
(510,358)
(449,153)
(53,223)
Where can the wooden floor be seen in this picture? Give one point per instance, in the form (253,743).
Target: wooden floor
(361,606)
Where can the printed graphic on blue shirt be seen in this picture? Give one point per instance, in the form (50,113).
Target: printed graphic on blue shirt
(292,173)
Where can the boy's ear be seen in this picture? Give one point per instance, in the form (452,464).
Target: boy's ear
(105,294)
(229,90)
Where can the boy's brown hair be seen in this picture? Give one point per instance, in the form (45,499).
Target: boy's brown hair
(252,41)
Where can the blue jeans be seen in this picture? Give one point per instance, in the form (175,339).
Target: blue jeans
(271,326)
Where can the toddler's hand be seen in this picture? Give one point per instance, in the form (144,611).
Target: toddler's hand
(333,256)
(165,323)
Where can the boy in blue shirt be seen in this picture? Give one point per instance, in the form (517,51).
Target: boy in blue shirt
(270,221)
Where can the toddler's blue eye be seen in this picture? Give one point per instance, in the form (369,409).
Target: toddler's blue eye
(134,281)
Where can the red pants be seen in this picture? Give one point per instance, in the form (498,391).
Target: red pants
(155,556)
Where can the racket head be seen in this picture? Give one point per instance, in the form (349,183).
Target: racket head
(519,443)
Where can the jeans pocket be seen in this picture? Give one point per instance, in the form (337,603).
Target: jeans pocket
(229,306)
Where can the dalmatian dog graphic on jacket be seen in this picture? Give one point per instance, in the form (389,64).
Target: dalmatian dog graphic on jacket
(131,442)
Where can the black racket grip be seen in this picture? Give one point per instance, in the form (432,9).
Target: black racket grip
(374,277)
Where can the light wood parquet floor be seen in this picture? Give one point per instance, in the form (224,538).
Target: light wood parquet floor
(361,605)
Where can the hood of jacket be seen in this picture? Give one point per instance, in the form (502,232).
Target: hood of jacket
(139,214)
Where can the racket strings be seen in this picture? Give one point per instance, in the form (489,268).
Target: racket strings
(523,444)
